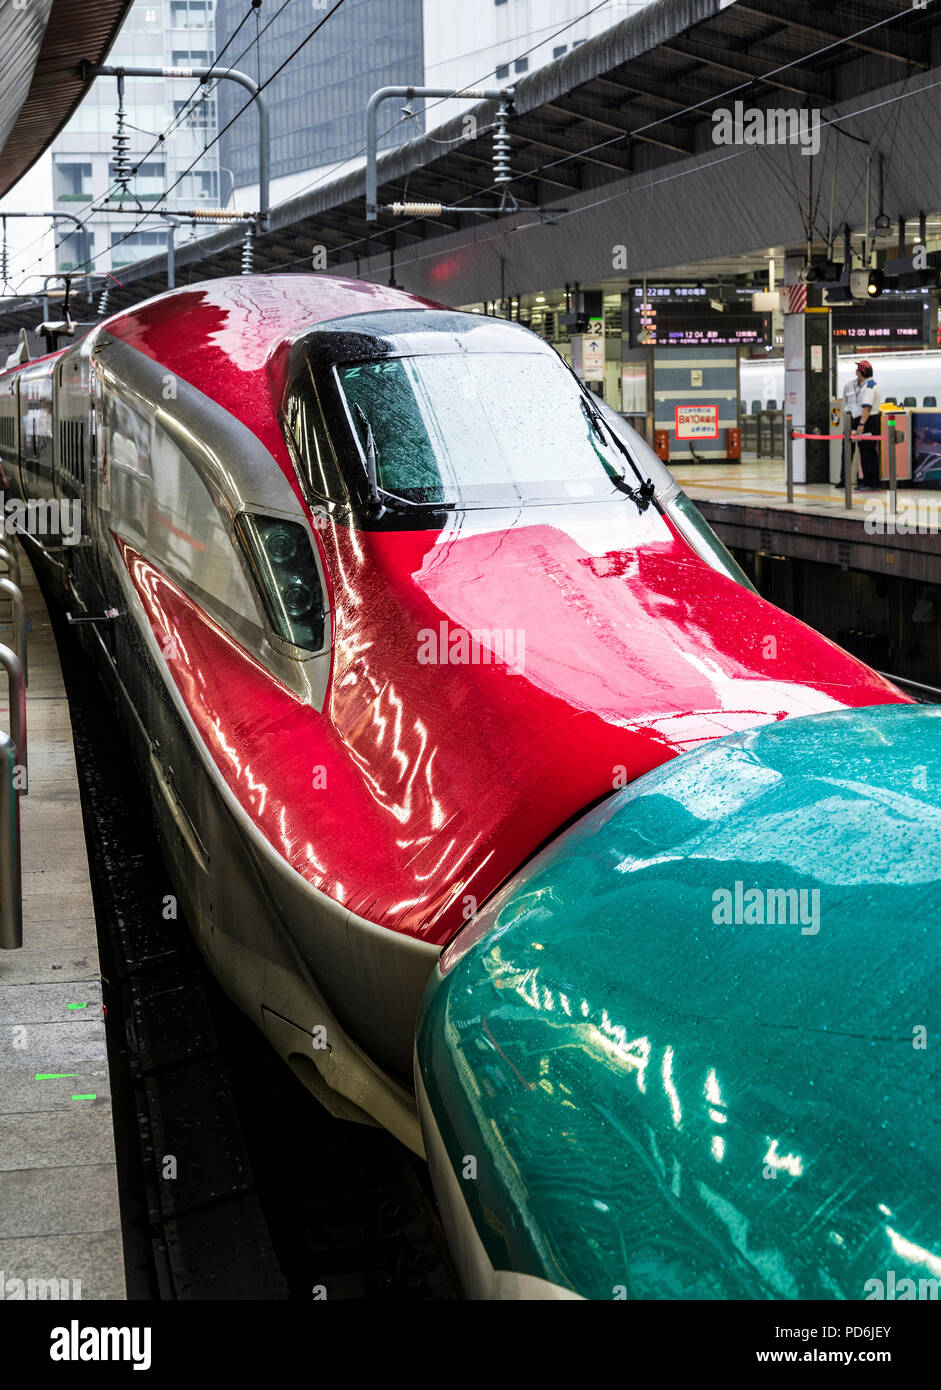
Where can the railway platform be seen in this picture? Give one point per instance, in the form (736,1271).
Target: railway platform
(747,505)
(762,483)
(60,1228)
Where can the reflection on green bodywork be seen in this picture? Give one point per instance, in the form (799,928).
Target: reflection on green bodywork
(693,1045)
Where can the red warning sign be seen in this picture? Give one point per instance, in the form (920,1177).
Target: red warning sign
(697,422)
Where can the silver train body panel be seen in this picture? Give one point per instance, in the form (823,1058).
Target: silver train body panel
(336,995)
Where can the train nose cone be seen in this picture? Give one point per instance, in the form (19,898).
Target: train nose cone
(691,1049)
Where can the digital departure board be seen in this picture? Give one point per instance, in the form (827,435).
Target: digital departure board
(694,316)
(889,319)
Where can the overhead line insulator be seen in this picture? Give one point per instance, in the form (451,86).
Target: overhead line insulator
(217,214)
(502,173)
(417,209)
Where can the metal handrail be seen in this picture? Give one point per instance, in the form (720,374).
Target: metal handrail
(19,622)
(916,685)
(17,688)
(11,873)
(7,553)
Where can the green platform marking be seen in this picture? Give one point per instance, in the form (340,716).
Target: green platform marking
(77,1006)
(89,1097)
(55,1075)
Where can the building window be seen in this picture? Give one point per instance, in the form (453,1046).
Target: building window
(499,2)
(200,114)
(503,70)
(147,184)
(197,186)
(71,252)
(576,42)
(521,65)
(136,247)
(195,58)
(72,183)
(190,14)
(562,48)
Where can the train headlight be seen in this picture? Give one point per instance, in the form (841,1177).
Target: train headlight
(298,599)
(281,543)
(285,572)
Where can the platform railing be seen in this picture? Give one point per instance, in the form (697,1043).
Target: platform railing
(8,556)
(16,679)
(14,776)
(15,594)
(848,439)
(11,874)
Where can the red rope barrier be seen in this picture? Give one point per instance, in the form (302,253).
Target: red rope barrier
(870,437)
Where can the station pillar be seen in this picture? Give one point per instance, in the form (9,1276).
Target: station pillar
(807,370)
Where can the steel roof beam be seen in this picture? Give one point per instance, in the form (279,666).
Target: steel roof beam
(567,185)
(650,90)
(607,160)
(878,42)
(669,138)
(743,65)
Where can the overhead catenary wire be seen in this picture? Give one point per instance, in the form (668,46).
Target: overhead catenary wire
(174,123)
(654,183)
(268,80)
(204,84)
(549,164)
(692,107)
(100,204)
(430,106)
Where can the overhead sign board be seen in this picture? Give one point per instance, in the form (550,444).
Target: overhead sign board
(694,315)
(588,356)
(888,319)
(697,422)
(593,358)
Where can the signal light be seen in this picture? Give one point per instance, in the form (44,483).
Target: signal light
(866,284)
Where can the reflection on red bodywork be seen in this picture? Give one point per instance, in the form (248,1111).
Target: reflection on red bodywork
(438,780)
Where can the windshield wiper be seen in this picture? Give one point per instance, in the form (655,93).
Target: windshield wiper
(641,496)
(379,497)
(372,477)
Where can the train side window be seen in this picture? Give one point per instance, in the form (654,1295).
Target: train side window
(160,504)
(282,563)
(309,444)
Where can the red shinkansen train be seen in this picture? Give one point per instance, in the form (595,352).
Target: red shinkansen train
(388,600)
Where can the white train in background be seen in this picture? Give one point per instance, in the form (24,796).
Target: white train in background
(897,374)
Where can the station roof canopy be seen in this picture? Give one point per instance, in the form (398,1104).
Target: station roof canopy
(43,44)
(637,98)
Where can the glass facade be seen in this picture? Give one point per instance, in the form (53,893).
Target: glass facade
(177,33)
(318,104)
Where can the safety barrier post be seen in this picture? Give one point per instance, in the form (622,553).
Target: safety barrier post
(17,687)
(15,594)
(8,556)
(893,481)
(789,454)
(11,877)
(847,463)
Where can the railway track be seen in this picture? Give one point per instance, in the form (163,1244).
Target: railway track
(234,1182)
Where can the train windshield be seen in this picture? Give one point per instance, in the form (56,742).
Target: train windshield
(479,429)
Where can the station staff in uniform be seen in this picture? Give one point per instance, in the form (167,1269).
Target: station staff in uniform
(870,399)
(853,408)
